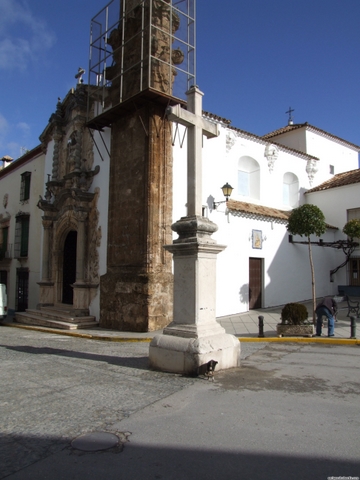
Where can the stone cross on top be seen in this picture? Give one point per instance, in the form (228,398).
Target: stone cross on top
(197,127)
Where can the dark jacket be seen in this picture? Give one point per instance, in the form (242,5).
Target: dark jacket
(329,303)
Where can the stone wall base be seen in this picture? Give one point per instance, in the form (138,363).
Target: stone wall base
(133,302)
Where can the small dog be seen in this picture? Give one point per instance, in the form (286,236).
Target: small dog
(208,369)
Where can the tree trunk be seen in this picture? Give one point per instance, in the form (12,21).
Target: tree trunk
(312,281)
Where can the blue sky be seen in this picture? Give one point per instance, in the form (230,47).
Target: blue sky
(255,59)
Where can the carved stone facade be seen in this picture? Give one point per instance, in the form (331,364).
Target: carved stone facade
(70,219)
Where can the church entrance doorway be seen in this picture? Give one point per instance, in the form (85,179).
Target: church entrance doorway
(69,267)
(255,283)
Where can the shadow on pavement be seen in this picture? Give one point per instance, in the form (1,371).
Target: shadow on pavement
(141,363)
(34,457)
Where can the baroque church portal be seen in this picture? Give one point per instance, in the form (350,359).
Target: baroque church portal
(71,235)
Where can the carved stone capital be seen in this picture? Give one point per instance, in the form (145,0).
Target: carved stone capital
(271,153)
(194,229)
(47,224)
(311,170)
(230,140)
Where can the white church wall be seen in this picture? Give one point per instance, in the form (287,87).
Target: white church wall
(233,263)
(286,267)
(335,202)
(179,177)
(101,185)
(295,139)
(271,179)
(330,152)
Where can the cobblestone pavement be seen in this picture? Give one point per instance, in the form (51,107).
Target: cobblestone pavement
(55,388)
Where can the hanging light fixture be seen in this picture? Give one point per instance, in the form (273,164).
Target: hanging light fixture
(227,190)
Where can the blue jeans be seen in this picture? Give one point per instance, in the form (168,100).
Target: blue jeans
(320,312)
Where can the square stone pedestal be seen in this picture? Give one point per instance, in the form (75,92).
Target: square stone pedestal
(169,353)
(194,337)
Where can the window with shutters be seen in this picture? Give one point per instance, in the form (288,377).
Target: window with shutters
(22,236)
(25,186)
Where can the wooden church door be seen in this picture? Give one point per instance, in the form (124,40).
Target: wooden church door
(255,283)
(69,268)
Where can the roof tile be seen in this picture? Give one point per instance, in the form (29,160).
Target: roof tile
(339,180)
(250,210)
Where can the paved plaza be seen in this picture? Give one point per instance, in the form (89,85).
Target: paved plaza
(246,325)
(243,325)
(291,411)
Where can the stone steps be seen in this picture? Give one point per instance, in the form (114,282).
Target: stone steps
(61,317)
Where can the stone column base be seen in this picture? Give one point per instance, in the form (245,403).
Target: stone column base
(136,302)
(46,296)
(170,353)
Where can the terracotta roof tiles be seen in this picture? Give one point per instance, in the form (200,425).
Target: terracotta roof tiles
(250,210)
(260,212)
(339,180)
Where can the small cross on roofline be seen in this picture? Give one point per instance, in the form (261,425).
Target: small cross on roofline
(290,121)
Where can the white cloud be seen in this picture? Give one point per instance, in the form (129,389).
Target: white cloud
(13,148)
(23,36)
(4,128)
(3,125)
(24,127)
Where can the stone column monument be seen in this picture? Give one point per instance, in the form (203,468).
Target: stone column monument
(136,290)
(194,337)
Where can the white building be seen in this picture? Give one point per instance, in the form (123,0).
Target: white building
(21,184)
(339,199)
(260,268)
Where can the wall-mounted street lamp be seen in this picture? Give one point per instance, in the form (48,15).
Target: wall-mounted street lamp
(226,189)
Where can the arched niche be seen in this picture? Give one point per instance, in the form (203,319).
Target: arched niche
(290,189)
(248,178)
